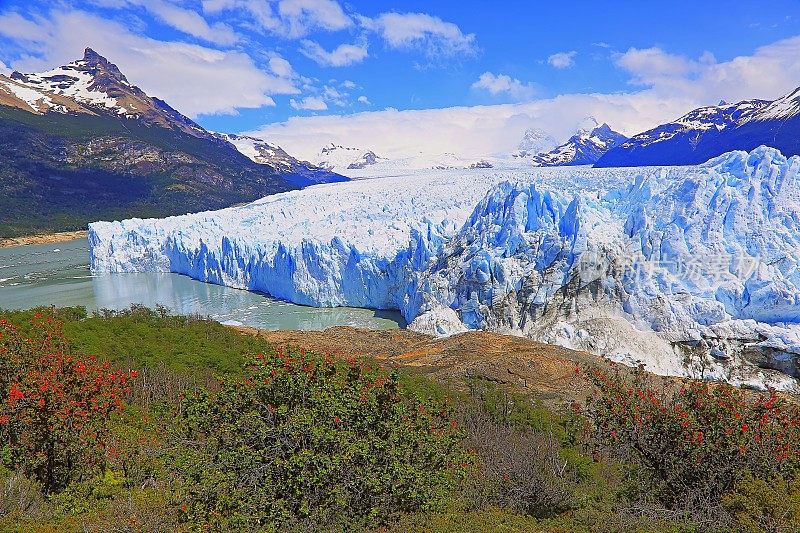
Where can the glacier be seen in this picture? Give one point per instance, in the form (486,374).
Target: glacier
(687,271)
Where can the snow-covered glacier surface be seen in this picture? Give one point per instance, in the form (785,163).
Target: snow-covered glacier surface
(686,270)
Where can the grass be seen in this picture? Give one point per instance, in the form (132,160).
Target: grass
(140,338)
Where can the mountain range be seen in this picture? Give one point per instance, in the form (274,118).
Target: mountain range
(337,158)
(709,131)
(586,147)
(301,173)
(81,143)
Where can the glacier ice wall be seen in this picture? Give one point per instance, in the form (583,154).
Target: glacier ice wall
(353,244)
(647,266)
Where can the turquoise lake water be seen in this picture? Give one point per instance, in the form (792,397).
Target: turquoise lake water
(58,274)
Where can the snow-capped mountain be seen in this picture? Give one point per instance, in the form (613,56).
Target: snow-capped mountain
(263,152)
(92,86)
(337,158)
(535,141)
(81,143)
(709,131)
(583,148)
(687,270)
(783,108)
(356,163)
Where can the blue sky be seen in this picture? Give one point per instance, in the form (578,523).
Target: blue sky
(287,66)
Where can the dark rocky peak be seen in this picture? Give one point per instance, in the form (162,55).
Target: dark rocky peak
(105,73)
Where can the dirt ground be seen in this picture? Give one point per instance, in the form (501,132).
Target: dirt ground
(43,239)
(544,371)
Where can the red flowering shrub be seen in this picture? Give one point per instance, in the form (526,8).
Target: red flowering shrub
(54,406)
(310,443)
(696,440)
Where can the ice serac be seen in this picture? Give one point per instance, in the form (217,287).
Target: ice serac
(686,270)
(699,261)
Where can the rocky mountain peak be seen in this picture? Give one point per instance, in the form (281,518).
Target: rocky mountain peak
(587,125)
(99,67)
(602,129)
(535,141)
(90,56)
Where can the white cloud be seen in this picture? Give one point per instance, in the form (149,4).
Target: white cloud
(421,31)
(184,20)
(330,94)
(4,69)
(190,22)
(502,84)
(341,56)
(192,78)
(289,18)
(771,71)
(364,100)
(309,103)
(470,131)
(259,10)
(281,67)
(668,86)
(301,16)
(562,59)
(348,84)
(17,27)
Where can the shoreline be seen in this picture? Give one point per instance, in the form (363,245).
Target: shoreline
(47,238)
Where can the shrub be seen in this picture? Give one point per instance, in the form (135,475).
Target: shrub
(521,463)
(21,497)
(56,406)
(771,505)
(306,441)
(694,441)
(517,468)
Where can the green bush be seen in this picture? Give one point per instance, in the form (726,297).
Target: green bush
(522,459)
(21,497)
(771,505)
(304,441)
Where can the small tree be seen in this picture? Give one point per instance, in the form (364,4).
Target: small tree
(55,408)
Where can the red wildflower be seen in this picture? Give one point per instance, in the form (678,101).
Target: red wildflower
(15,394)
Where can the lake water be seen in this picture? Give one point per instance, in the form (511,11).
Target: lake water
(58,274)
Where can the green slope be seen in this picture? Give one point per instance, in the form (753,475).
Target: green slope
(60,172)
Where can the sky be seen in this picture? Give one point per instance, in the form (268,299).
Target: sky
(467,76)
